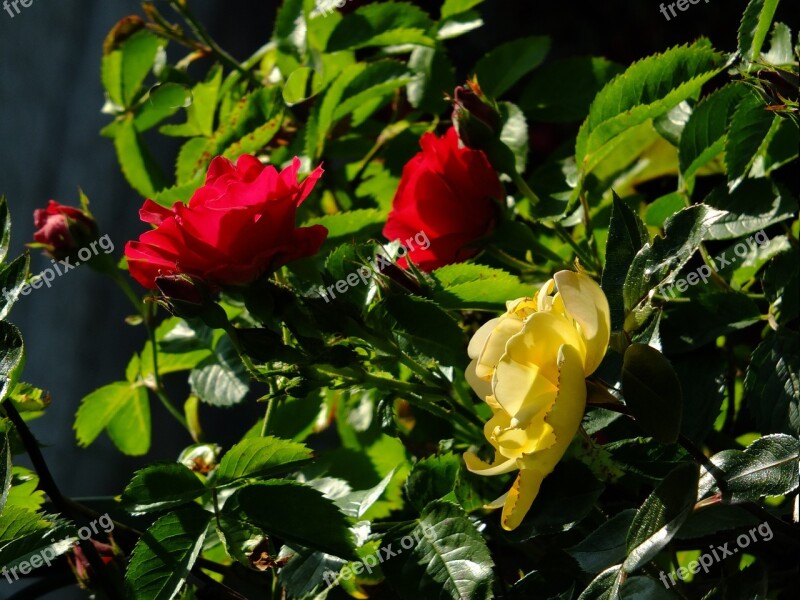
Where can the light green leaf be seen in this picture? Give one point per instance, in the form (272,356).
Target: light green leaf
(137,164)
(261,457)
(476,287)
(455,7)
(124,69)
(754,27)
(122,408)
(25,535)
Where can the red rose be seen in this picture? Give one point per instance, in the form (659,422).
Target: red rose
(238,226)
(63,229)
(449,196)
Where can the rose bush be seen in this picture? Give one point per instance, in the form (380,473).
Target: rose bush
(235,228)
(529,365)
(449,192)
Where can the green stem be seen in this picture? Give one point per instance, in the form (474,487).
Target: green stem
(523,187)
(157,385)
(267,415)
(587,259)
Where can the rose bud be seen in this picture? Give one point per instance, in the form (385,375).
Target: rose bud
(80,564)
(63,230)
(476,117)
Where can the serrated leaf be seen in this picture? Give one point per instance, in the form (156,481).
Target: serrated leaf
(659,518)
(160,487)
(605,586)
(772,383)
(476,287)
(162,559)
(504,66)
(355,504)
(448,558)
(455,7)
(751,207)
(755,26)
(647,89)
(221,379)
(421,327)
(626,236)
(261,457)
(138,165)
(12,280)
(25,534)
(294,512)
(12,357)
(652,392)
(659,261)
(751,129)
(770,466)
(431,479)
(703,137)
(605,546)
(123,70)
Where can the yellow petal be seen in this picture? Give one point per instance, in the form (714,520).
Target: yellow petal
(495,346)
(496,503)
(480,467)
(585,302)
(480,386)
(520,497)
(478,340)
(521,389)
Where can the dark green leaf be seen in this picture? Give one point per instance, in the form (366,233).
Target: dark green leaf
(504,66)
(12,280)
(294,512)
(671,125)
(772,383)
(770,466)
(5,470)
(562,91)
(12,357)
(605,586)
(29,537)
(754,27)
(605,546)
(703,394)
(750,131)
(432,478)
(221,379)
(356,504)
(434,75)
(626,236)
(661,515)
(162,559)
(5,228)
(382,24)
(754,205)
(261,457)
(161,486)
(645,588)
(447,557)
(652,392)
(781,287)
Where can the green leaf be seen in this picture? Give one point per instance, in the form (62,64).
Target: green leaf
(420,327)
(772,383)
(752,127)
(5,228)
(124,69)
(431,479)
(262,458)
(123,409)
(647,89)
(767,467)
(12,280)
(135,159)
(29,537)
(12,357)
(780,283)
(645,588)
(659,518)
(359,224)
(356,504)
(5,471)
(160,487)
(562,91)
(605,546)
(662,208)
(780,46)
(162,101)
(703,138)
(626,236)
(221,379)
(200,114)
(382,24)
(754,27)
(754,205)
(294,512)
(504,66)
(670,125)
(660,260)
(434,76)
(703,394)
(162,559)
(605,586)
(298,86)
(476,287)
(652,392)
(455,7)
(447,557)
(514,133)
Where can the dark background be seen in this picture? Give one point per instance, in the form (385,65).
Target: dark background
(50,100)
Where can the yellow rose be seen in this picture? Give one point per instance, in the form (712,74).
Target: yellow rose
(530,365)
